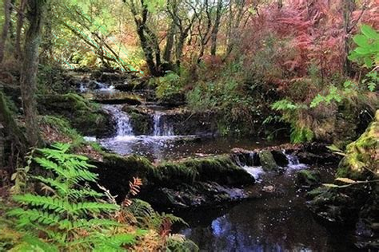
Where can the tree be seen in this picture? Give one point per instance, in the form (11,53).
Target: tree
(148,39)
(4,34)
(30,68)
(20,24)
(216,28)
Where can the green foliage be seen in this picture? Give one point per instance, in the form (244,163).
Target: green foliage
(178,243)
(367,50)
(333,95)
(168,85)
(367,54)
(71,215)
(291,114)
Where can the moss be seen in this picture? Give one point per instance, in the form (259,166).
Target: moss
(267,161)
(220,169)
(361,160)
(142,124)
(86,117)
(308,178)
(63,131)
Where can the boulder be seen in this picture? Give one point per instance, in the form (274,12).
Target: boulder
(267,161)
(349,202)
(141,119)
(280,158)
(308,178)
(86,117)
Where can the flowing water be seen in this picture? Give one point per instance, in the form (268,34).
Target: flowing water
(277,220)
(161,127)
(123,126)
(163,144)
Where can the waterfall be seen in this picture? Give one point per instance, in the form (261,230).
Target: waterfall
(82,88)
(161,127)
(293,162)
(123,126)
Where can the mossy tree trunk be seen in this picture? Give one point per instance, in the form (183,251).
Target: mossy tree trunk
(10,130)
(4,33)
(20,24)
(30,69)
(216,27)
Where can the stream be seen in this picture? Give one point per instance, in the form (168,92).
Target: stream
(276,220)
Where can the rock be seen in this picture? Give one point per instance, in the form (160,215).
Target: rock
(141,119)
(308,179)
(88,118)
(316,153)
(196,195)
(115,172)
(280,158)
(117,98)
(358,203)
(173,100)
(361,160)
(267,161)
(132,85)
(245,157)
(190,182)
(220,169)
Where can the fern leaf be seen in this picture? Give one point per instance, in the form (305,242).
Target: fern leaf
(44,202)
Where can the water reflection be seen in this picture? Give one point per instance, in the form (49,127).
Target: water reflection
(279,221)
(175,147)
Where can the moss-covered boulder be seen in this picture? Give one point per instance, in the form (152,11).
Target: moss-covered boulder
(115,172)
(88,118)
(220,169)
(353,197)
(267,161)
(362,156)
(141,119)
(308,178)
(206,180)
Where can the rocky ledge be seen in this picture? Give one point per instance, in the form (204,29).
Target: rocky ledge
(353,199)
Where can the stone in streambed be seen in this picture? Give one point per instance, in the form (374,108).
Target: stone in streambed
(308,179)
(267,161)
(88,118)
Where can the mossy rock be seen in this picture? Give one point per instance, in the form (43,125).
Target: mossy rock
(115,172)
(362,157)
(88,118)
(220,169)
(307,178)
(267,161)
(141,120)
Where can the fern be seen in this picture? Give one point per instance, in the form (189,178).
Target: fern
(69,215)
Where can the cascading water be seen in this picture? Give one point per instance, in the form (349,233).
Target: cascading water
(161,127)
(293,162)
(123,126)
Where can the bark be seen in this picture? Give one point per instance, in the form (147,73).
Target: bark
(4,33)
(148,40)
(215,28)
(10,127)
(169,43)
(30,69)
(20,24)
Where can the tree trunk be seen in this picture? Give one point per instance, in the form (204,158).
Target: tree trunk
(4,34)
(20,23)
(215,28)
(169,43)
(30,69)
(348,7)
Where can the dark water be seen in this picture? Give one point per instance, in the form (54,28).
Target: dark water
(175,147)
(276,221)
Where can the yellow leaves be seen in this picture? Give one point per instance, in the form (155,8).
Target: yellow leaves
(346,180)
